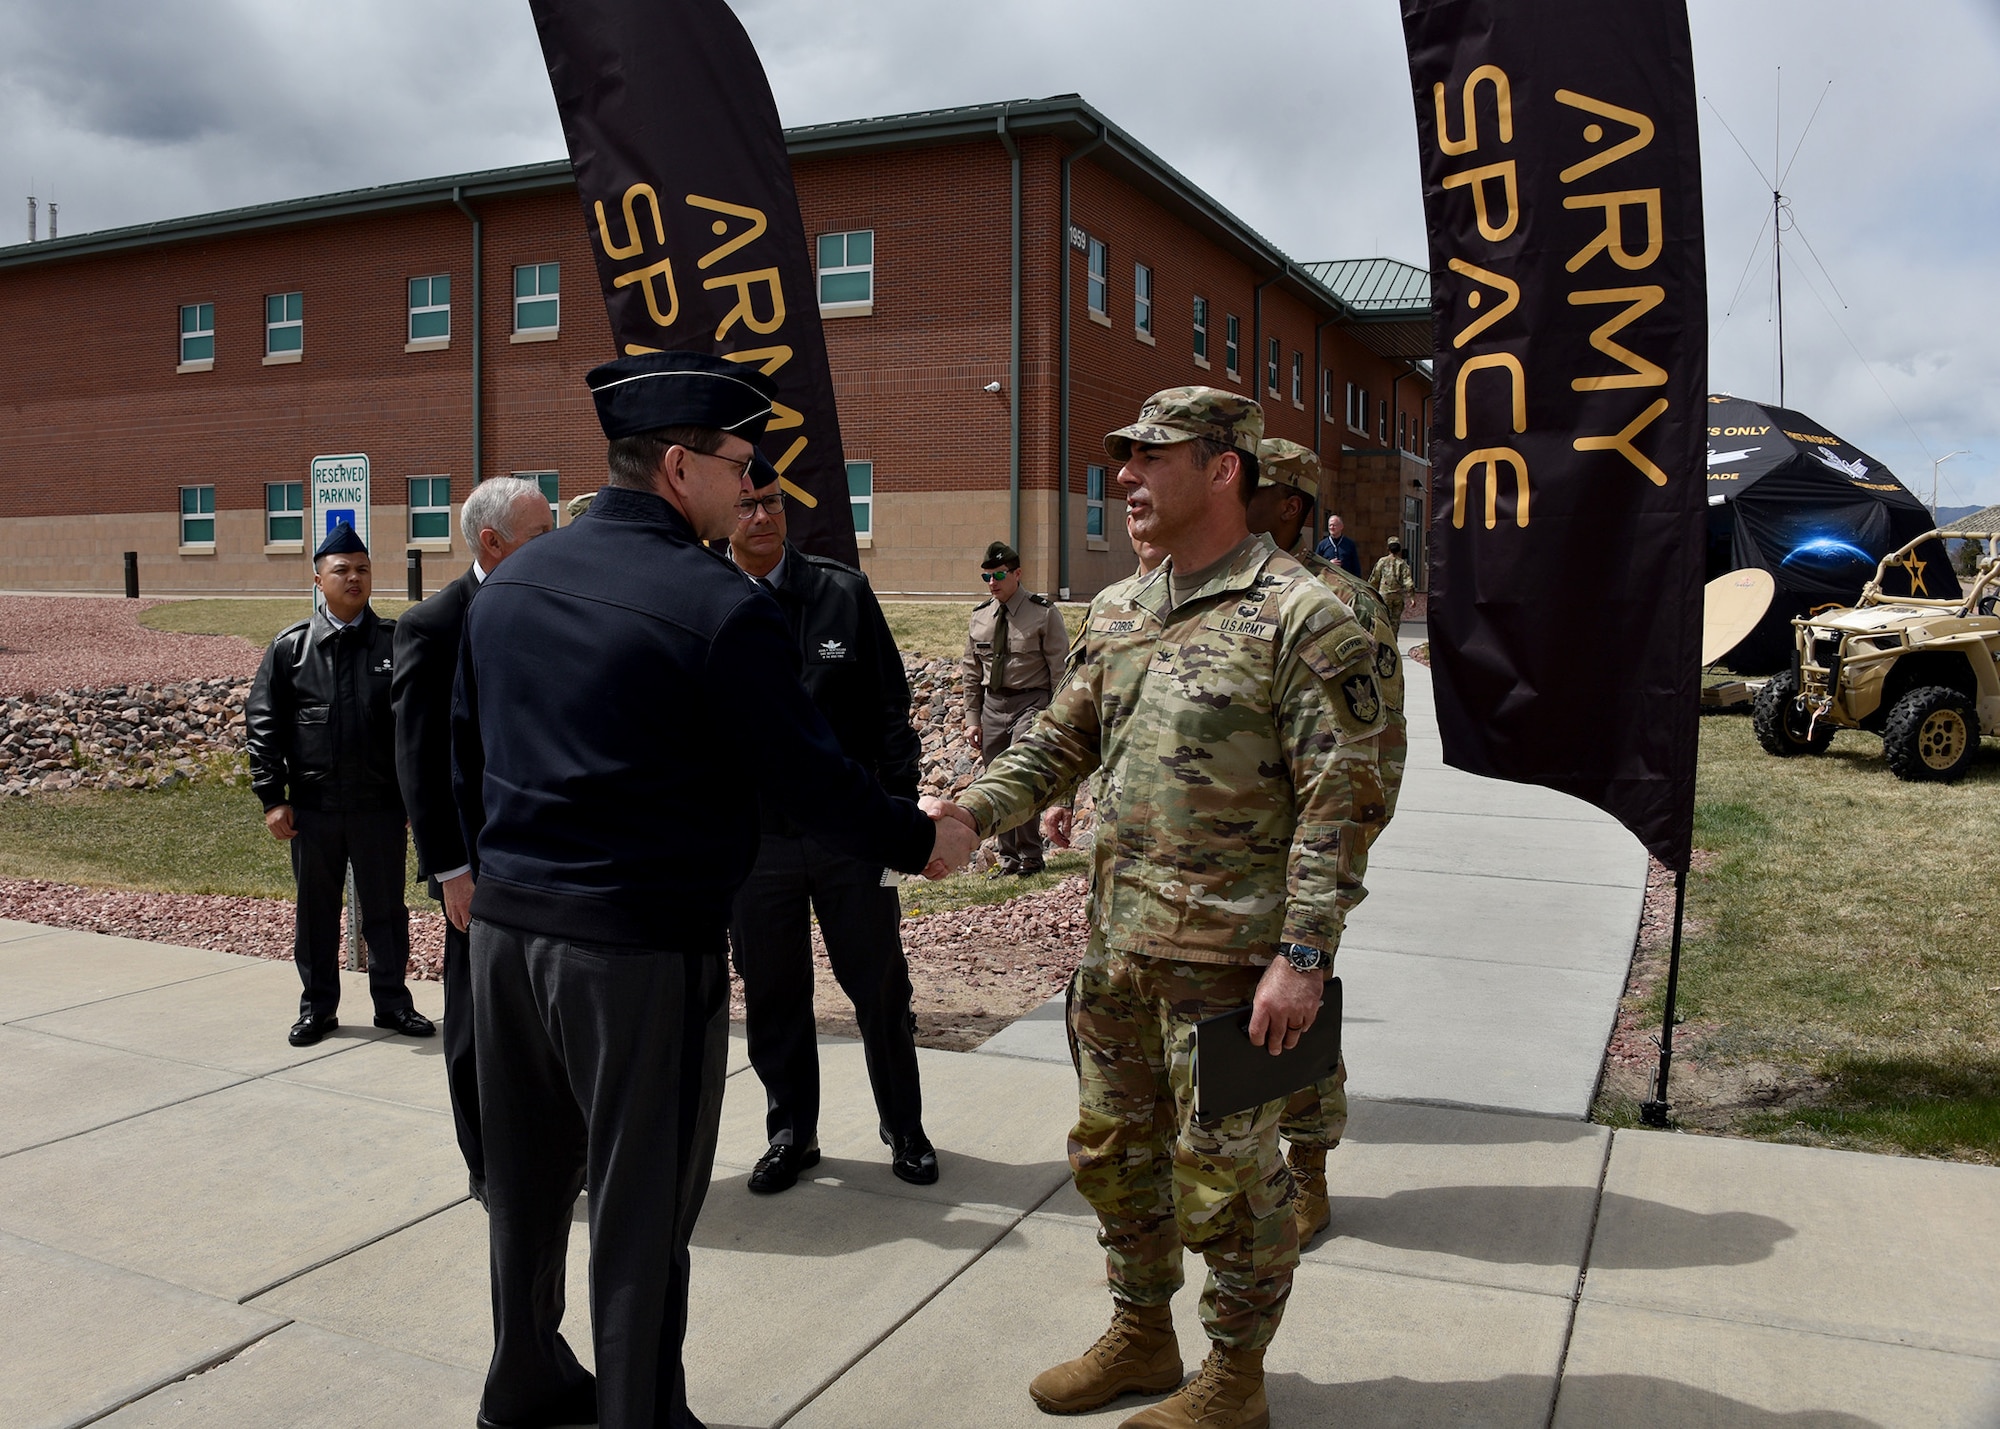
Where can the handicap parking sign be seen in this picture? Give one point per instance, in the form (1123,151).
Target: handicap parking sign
(338,517)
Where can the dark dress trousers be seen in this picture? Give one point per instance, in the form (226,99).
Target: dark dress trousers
(624,695)
(322,739)
(426,666)
(855,676)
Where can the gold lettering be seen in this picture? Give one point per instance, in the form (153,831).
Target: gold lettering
(744,310)
(632,349)
(1476,180)
(635,241)
(754,216)
(1622,443)
(1491,459)
(1503,97)
(644,277)
(784,418)
(1508,286)
(768,359)
(1508,363)
(1642,373)
(1612,239)
(1592,133)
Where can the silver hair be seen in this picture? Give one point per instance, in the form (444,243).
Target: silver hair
(492,505)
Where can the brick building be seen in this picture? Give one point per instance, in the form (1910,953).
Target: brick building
(174,380)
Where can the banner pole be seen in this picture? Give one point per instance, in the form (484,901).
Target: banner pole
(1653,1111)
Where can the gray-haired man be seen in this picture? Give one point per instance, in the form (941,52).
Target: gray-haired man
(498,518)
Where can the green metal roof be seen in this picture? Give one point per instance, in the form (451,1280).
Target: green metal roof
(1377,285)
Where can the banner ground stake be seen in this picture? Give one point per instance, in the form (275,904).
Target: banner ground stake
(1653,1111)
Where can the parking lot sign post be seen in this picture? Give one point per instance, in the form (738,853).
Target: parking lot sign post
(339,493)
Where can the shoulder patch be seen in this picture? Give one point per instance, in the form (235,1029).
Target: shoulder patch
(1040,599)
(1386,660)
(983,604)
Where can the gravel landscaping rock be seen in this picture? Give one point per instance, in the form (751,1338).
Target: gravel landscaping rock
(50,643)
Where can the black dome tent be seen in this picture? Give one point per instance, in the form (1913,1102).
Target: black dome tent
(1789,497)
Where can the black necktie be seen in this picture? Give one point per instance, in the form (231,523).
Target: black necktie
(998,684)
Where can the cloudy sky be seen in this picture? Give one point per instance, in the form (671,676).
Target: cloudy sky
(124,111)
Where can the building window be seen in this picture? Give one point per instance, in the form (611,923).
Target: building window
(1232,345)
(197,516)
(846,268)
(1142,299)
(1201,328)
(861,495)
(284,323)
(1298,379)
(198,332)
(1271,366)
(430,508)
(1382,421)
(284,511)
(430,308)
(547,481)
(1098,293)
(538,297)
(1093,502)
(1403,430)
(1357,408)
(1326,394)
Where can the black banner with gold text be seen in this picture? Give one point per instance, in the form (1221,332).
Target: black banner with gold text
(1562,192)
(688,202)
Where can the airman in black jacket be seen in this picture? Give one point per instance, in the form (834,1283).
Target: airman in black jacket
(322,743)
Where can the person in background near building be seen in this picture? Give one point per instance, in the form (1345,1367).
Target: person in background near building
(1316,1117)
(577,505)
(1339,547)
(500,516)
(855,675)
(1220,880)
(1394,582)
(322,740)
(624,697)
(1014,651)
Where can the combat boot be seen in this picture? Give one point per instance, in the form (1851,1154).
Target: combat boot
(1137,1355)
(1227,1394)
(1309,1204)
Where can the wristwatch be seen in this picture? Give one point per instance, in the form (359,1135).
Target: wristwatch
(1302,958)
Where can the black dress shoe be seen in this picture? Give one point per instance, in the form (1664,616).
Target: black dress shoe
(912,1157)
(778,1168)
(309,1029)
(409,1022)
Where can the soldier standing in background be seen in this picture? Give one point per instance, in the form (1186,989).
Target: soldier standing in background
(1394,582)
(1231,703)
(1014,651)
(1316,1117)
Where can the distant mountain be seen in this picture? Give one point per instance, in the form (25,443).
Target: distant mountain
(1948,514)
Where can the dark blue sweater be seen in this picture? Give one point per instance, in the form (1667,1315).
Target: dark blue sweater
(623,696)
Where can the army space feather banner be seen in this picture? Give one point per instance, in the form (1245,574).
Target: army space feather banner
(688,202)
(1562,192)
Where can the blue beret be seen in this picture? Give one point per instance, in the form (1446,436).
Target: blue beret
(341,541)
(681,389)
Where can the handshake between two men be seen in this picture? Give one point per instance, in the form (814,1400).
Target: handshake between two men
(957,836)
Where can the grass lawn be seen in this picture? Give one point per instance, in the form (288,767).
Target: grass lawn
(971,890)
(205,837)
(257,621)
(1840,983)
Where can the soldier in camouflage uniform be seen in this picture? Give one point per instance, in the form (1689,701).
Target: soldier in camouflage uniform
(1234,710)
(1316,1117)
(1394,582)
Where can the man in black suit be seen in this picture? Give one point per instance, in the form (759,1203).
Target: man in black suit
(500,517)
(855,675)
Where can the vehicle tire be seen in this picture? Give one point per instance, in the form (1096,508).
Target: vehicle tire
(1931,735)
(1781,725)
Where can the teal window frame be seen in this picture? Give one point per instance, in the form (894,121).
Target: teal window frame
(1097,286)
(284,323)
(1142,299)
(1272,353)
(1232,346)
(197,332)
(430,516)
(538,297)
(284,512)
(1201,328)
(430,308)
(845,264)
(1093,502)
(1299,378)
(861,496)
(197,515)
(550,483)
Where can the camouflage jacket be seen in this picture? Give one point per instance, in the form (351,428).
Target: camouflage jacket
(1236,733)
(1392,576)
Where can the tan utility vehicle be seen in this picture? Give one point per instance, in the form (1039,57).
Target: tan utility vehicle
(1920,673)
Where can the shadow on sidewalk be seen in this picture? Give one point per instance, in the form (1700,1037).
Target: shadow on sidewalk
(1524,1399)
(1534,1225)
(1405,1124)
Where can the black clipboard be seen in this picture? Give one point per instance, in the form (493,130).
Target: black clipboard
(1231,1074)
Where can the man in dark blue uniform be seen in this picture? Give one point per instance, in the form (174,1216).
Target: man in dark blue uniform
(1339,548)
(322,743)
(855,676)
(617,683)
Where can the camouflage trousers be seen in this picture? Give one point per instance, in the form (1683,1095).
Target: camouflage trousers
(1393,607)
(1158,1178)
(1316,1117)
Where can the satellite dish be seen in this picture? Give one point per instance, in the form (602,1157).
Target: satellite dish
(1731,607)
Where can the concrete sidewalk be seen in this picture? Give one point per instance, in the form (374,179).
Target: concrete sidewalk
(1485,966)
(200,1225)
